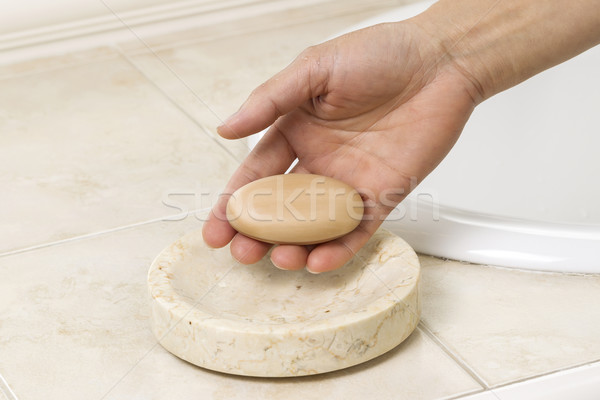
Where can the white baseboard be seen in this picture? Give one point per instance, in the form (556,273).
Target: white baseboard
(113,19)
(113,27)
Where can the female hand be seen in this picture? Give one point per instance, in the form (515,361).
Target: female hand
(377,109)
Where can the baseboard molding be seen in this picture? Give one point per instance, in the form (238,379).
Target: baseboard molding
(115,21)
(115,27)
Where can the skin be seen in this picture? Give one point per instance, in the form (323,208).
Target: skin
(379,108)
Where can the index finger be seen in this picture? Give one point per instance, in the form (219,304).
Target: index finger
(271,156)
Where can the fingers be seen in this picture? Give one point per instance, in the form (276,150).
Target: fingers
(289,257)
(332,255)
(271,156)
(299,169)
(215,233)
(247,250)
(302,80)
(327,256)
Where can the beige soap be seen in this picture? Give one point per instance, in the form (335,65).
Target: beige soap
(295,209)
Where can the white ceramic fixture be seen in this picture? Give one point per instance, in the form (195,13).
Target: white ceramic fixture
(520,188)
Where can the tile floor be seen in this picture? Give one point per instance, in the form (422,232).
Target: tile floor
(103,152)
(105,155)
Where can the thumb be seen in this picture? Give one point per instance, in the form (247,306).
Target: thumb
(302,80)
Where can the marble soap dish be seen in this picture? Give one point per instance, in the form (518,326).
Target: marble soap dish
(260,321)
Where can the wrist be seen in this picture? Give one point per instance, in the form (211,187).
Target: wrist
(449,29)
(498,44)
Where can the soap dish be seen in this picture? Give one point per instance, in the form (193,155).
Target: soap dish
(257,320)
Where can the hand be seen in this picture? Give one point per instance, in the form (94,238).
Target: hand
(381,107)
(374,108)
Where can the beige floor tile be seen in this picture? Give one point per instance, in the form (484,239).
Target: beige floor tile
(55,62)
(75,323)
(211,79)
(417,369)
(74,316)
(95,146)
(509,324)
(427,261)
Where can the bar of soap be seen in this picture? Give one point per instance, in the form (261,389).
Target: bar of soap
(295,209)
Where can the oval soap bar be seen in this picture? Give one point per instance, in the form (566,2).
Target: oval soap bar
(295,209)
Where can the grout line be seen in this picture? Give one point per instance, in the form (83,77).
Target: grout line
(424,329)
(556,371)
(452,354)
(155,49)
(168,67)
(488,388)
(174,217)
(523,380)
(465,394)
(6,390)
(201,126)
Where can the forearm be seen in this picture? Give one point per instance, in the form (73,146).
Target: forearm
(500,43)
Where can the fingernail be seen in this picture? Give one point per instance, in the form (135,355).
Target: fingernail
(227,121)
(230,118)
(277,266)
(313,272)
